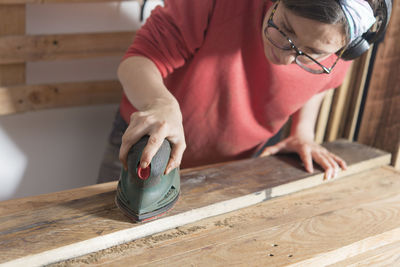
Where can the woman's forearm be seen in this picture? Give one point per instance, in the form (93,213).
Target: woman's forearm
(142,83)
(303,121)
(158,115)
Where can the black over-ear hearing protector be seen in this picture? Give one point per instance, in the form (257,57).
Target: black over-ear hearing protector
(361,44)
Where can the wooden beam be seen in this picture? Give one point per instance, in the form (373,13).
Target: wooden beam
(380,124)
(12,74)
(60,228)
(12,22)
(15,99)
(19,49)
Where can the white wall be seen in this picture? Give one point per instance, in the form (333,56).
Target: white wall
(58,149)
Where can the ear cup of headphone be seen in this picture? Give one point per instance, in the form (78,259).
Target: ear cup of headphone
(362,44)
(358,47)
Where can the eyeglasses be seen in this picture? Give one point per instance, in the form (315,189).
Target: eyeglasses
(280,40)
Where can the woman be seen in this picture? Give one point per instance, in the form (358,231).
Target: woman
(218,78)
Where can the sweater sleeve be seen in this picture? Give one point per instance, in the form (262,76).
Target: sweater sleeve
(172,33)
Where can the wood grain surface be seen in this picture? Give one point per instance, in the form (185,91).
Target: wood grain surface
(385,256)
(12,22)
(346,223)
(38,224)
(23,48)
(23,98)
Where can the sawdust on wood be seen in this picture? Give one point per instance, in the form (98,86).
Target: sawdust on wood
(155,240)
(146,242)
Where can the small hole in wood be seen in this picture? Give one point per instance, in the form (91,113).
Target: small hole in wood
(274,245)
(55,42)
(271,255)
(290,255)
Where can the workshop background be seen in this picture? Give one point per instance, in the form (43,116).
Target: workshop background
(59,91)
(56,149)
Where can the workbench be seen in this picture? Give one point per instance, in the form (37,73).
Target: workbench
(256,212)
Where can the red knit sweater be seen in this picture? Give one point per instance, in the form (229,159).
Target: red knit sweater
(210,54)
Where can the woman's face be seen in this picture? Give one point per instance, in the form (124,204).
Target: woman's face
(317,39)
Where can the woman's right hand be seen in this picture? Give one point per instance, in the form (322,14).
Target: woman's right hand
(162,119)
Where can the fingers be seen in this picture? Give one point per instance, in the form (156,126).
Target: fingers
(130,137)
(153,145)
(272,150)
(328,163)
(143,123)
(340,161)
(176,156)
(306,157)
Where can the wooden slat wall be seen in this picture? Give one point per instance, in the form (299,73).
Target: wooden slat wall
(12,22)
(380,125)
(16,49)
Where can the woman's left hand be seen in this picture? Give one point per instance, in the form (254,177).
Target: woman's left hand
(309,151)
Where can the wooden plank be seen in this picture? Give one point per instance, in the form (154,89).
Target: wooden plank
(12,21)
(380,124)
(61,229)
(35,97)
(316,227)
(12,74)
(388,255)
(19,49)
(354,98)
(337,110)
(323,117)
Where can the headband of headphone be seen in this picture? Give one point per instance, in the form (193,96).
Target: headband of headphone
(375,34)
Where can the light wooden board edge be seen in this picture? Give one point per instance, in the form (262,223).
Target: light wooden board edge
(382,256)
(166,223)
(340,254)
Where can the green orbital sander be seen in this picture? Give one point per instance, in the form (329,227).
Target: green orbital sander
(145,194)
